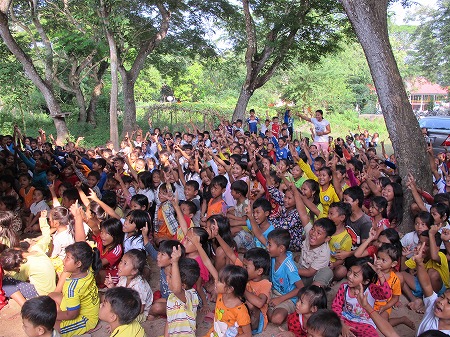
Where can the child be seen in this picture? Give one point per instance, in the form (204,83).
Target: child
(310,299)
(284,276)
(79,301)
(258,221)
(340,242)
(183,300)
(371,245)
(132,227)
(231,316)
(238,217)
(358,223)
(217,205)
(26,190)
(345,304)
(130,270)
(36,207)
(119,309)
(191,190)
(315,253)
(165,222)
(388,256)
(410,241)
(377,212)
(324,323)
(436,308)
(435,263)
(39,317)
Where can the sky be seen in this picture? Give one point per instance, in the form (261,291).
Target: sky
(400,12)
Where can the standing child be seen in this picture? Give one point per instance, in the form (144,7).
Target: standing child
(345,303)
(120,309)
(79,301)
(183,300)
(130,270)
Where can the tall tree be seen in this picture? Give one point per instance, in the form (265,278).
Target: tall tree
(369,20)
(276,31)
(44,84)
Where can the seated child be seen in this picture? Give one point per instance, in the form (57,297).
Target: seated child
(237,216)
(119,309)
(422,222)
(183,300)
(315,253)
(39,317)
(258,221)
(324,323)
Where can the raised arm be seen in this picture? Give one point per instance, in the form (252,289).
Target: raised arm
(108,210)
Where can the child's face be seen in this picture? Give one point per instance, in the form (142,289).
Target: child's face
(317,236)
(388,193)
(259,215)
(162,259)
(251,270)
(306,190)
(442,306)
(273,249)
(296,172)
(324,178)
(221,169)
(366,189)
(156,178)
(70,264)
(91,181)
(106,238)
(282,166)
(190,192)
(128,226)
(289,200)
(185,210)
(384,262)
(373,210)
(32,330)
(420,226)
(381,239)
(438,219)
(216,191)
(353,203)
(126,266)
(205,179)
(105,312)
(134,205)
(333,215)
(237,171)
(426,249)
(188,244)
(303,305)
(354,276)
(3,207)
(37,196)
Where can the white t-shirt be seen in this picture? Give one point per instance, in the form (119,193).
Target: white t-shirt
(429,320)
(320,127)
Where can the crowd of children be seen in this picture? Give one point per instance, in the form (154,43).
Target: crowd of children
(255,221)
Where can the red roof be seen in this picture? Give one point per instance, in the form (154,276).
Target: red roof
(422,86)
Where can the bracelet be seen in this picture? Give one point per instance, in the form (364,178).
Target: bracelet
(371,312)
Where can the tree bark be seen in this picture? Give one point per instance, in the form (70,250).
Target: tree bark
(242,102)
(369,20)
(33,75)
(129,116)
(96,92)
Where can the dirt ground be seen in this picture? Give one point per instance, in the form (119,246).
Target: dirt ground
(11,322)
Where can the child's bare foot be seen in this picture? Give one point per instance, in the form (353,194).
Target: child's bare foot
(410,324)
(417,305)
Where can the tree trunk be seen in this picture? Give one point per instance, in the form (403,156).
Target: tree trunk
(81,102)
(369,20)
(242,102)
(96,92)
(129,115)
(30,71)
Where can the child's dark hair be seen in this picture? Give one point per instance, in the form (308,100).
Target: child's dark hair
(367,271)
(327,224)
(140,219)
(40,311)
(146,178)
(391,234)
(223,225)
(98,211)
(281,237)
(381,204)
(356,194)
(94,174)
(140,199)
(276,179)
(260,258)
(81,251)
(194,184)
(139,259)
(192,207)
(315,188)
(396,213)
(263,203)
(43,190)
(113,227)
(342,208)
(442,197)
(204,236)
(437,237)
(240,187)
(110,198)
(236,277)
(189,271)
(7,218)
(9,201)
(442,209)
(393,250)
(71,194)
(326,322)
(100,162)
(125,303)
(316,296)
(219,180)
(167,246)
(426,218)
(11,259)
(321,161)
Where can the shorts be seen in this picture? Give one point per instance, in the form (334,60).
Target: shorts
(287,305)
(418,292)
(11,286)
(260,327)
(322,276)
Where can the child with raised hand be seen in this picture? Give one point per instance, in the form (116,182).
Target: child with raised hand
(38,205)
(257,294)
(183,300)
(437,316)
(377,212)
(422,222)
(371,245)
(130,271)
(39,317)
(78,304)
(258,222)
(345,304)
(310,300)
(119,309)
(231,317)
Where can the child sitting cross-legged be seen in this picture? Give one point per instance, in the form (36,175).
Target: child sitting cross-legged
(39,317)
(119,309)
(183,300)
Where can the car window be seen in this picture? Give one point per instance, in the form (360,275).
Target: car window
(435,123)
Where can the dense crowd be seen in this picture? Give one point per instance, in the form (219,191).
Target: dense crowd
(244,215)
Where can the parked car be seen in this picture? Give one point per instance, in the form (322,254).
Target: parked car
(438,131)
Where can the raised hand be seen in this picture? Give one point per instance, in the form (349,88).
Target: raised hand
(176,254)
(109,283)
